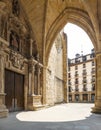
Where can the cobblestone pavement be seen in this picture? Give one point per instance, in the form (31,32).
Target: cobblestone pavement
(72,116)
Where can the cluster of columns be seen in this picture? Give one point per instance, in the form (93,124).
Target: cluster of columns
(3,110)
(97,107)
(35,86)
(34,77)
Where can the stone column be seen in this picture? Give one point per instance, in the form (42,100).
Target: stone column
(31,45)
(89,97)
(44,85)
(39,73)
(34,98)
(97,107)
(73,97)
(32,64)
(3,110)
(80,97)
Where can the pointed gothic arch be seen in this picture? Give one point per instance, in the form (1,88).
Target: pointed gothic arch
(71,15)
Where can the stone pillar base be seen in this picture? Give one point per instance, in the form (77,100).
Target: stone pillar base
(3,113)
(3,110)
(96,110)
(34,102)
(97,107)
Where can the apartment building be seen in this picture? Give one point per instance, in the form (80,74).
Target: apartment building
(81,78)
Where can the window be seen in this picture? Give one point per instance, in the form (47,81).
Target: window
(84,58)
(70,89)
(84,80)
(93,87)
(76,67)
(68,68)
(76,81)
(84,65)
(69,75)
(69,82)
(84,72)
(76,88)
(84,88)
(93,71)
(76,73)
(93,64)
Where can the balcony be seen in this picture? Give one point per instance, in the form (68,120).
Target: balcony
(76,89)
(69,83)
(92,80)
(76,75)
(69,76)
(76,82)
(93,72)
(84,81)
(84,73)
(93,88)
(70,89)
(84,89)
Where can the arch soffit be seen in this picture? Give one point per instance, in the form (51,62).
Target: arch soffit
(71,15)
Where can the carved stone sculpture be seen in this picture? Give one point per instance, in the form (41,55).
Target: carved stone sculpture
(15,7)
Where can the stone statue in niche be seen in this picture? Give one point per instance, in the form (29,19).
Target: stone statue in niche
(35,51)
(14,41)
(3,20)
(15,7)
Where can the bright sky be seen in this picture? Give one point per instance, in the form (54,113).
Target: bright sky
(78,40)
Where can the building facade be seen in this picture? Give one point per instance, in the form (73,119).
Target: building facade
(28,29)
(81,78)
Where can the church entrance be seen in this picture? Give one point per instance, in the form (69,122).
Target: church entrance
(14,89)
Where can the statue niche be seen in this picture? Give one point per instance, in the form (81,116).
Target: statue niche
(15,7)
(3,19)
(35,51)
(14,41)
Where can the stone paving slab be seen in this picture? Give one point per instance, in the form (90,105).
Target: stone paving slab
(73,116)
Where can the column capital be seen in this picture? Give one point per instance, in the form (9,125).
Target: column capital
(32,64)
(38,68)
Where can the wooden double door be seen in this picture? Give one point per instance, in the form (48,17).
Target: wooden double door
(14,89)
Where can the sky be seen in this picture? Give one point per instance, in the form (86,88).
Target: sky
(78,40)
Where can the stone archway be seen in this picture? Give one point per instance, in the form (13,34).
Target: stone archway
(75,16)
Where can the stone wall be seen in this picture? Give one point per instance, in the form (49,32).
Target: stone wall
(54,74)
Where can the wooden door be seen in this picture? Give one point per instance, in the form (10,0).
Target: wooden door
(19,92)
(9,90)
(14,89)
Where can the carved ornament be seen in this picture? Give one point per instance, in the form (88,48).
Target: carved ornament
(17,60)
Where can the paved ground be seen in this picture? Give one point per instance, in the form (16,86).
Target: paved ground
(61,117)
